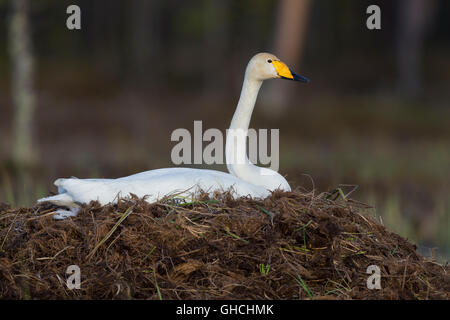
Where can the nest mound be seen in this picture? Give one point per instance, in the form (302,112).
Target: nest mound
(289,246)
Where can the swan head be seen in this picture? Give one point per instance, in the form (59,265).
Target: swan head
(264,66)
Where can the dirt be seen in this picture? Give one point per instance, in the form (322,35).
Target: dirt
(289,246)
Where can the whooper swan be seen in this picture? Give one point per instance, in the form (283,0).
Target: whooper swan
(245,179)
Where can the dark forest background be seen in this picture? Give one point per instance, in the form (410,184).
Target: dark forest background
(102,101)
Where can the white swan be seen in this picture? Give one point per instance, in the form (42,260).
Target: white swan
(245,178)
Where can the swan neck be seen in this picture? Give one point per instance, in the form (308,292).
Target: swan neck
(238,163)
(246,104)
(236,140)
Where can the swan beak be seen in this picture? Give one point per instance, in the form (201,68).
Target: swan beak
(285,73)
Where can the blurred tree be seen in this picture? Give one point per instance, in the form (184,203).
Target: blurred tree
(23,93)
(290,34)
(216,41)
(414,17)
(145,40)
(107,36)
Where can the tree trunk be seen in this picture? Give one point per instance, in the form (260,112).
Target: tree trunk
(290,34)
(414,17)
(23,95)
(145,39)
(216,40)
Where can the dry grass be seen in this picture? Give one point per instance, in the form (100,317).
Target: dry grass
(289,246)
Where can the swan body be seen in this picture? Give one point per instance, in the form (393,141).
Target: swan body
(244,179)
(153,184)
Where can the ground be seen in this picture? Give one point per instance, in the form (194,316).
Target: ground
(291,245)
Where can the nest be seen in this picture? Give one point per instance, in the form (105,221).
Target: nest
(291,245)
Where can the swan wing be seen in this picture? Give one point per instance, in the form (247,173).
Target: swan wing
(153,184)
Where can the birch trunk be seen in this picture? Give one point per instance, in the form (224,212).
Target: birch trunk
(23,95)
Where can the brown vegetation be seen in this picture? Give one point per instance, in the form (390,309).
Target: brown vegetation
(288,246)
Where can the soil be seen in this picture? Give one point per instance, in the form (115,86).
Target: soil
(291,245)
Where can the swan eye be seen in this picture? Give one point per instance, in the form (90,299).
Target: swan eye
(269,61)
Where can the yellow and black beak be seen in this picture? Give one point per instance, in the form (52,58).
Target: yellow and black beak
(285,73)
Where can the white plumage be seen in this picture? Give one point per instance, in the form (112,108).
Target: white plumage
(244,179)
